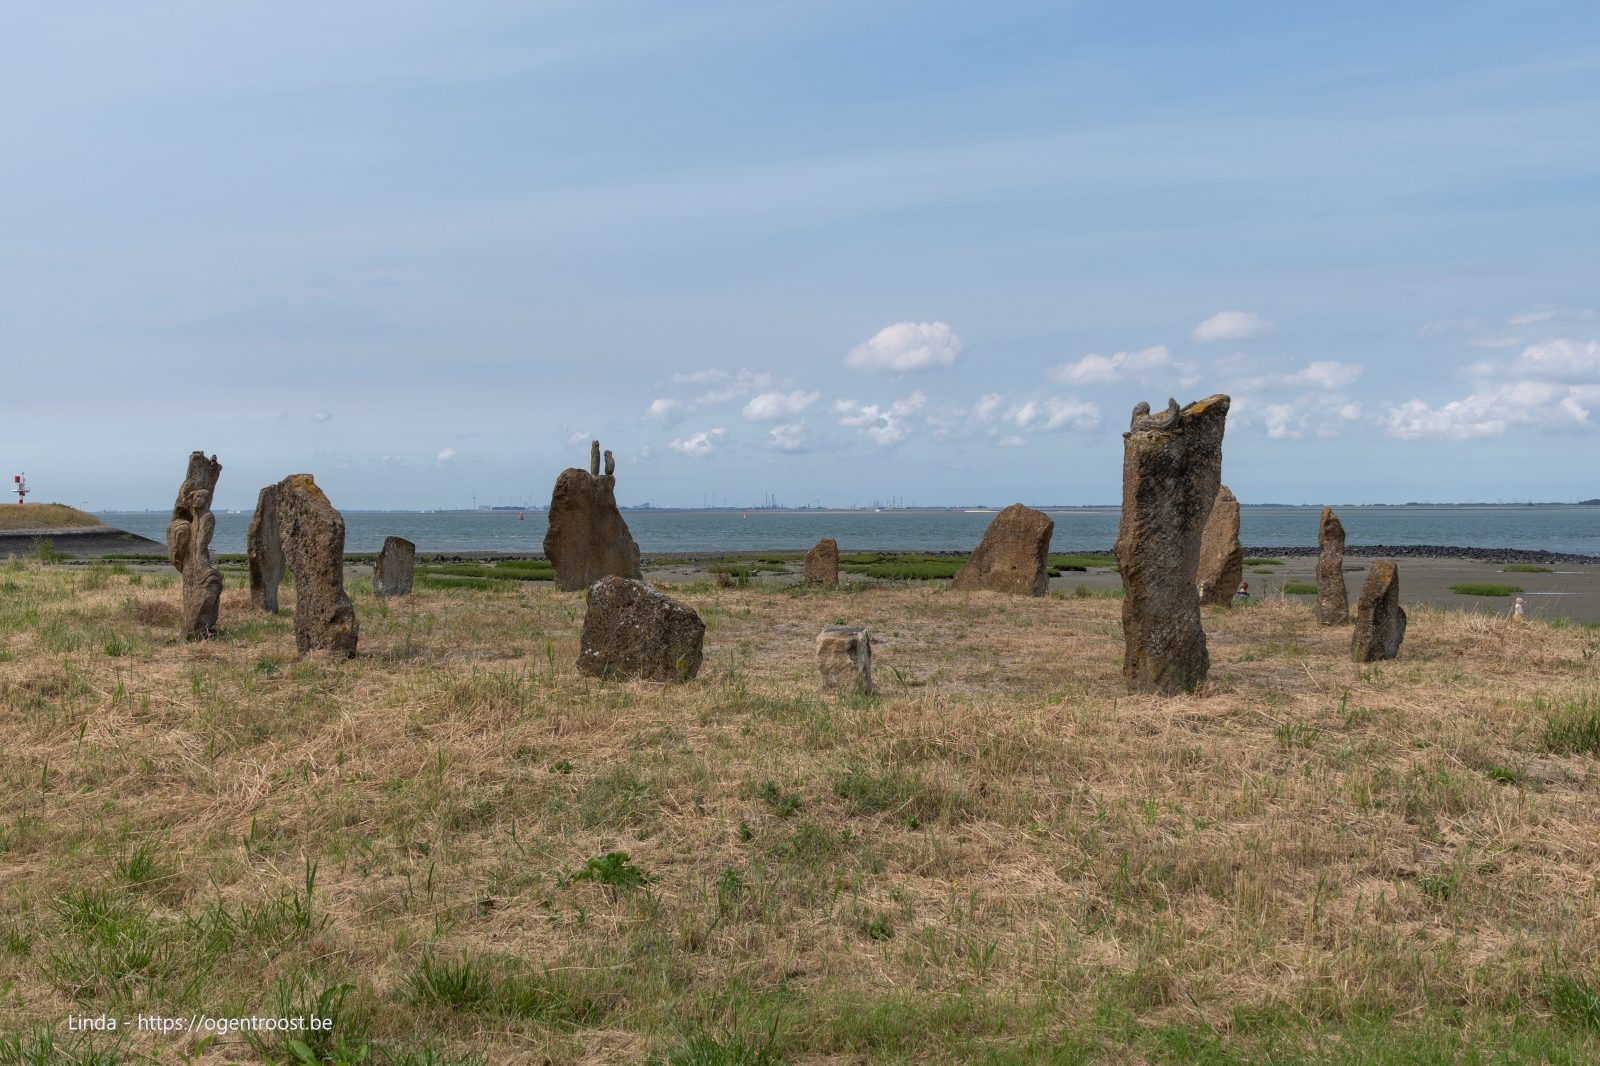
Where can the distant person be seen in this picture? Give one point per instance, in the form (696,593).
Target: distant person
(1518,609)
(1244,591)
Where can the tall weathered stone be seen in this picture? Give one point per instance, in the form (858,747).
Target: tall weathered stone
(1380,620)
(1171,471)
(632,631)
(312,535)
(844,657)
(264,551)
(1221,555)
(1013,555)
(189,546)
(587,538)
(822,563)
(395,568)
(1333,599)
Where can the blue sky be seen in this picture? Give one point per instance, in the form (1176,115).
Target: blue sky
(835,252)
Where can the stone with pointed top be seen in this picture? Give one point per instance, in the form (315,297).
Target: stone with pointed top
(1013,555)
(1380,620)
(822,563)
(1333,599)
(1221,555)
(1171,471)
(189,546)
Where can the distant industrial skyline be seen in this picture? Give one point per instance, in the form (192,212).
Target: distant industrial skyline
(828,252)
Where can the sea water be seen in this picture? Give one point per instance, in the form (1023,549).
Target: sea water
(1567,529)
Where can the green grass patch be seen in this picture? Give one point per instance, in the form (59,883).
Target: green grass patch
(1479,588)
(1263,562)
(1082,562)
(1299,588)
(1573,727)
(511,570)
(1525,568)
(910,567)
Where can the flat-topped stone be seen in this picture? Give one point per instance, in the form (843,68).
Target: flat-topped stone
(632,631)
(1171,472)
(844,658)
(395,568)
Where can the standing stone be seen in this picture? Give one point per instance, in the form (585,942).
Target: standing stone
(844,655)
(1171,471)
(1221,555)
(189,546)
(393,571)
(1380,620)
(1333,600)
(632,631)
(312,535)
(265,551)
(587,538)
(1013,555)
(822,563)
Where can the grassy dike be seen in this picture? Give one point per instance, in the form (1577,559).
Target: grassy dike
(464,852)
(44,516)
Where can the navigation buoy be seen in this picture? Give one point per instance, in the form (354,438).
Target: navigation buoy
(519,516)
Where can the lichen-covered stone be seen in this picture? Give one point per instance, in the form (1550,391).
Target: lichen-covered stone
(395,568)
(1171,471)
(844,657)
(265,551)
(1380,620)
(1221,555)
(587,538)
(822,563)
(1013,555)
(631,631)
(1333,599)
(312,535)
(189,546)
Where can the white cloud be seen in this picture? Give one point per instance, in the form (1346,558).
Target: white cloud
(906,347)
(790,437)
(1558,360)
(322,416)
(580,437)
(735,386)
(772,406)
(664,409)
(1231,326)
(1053,413)
(885,427)
(1493,408)
(1320,415)
(700,377)
(444,458)
(1528,318)
(1010,442)
(1329,376)
(987,405)
(1105,369)
(393,460)
(699,445)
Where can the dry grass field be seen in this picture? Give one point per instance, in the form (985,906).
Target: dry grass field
(1001,859)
